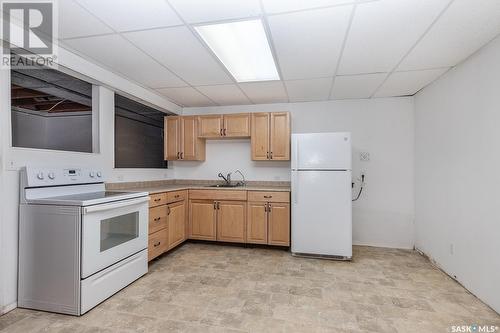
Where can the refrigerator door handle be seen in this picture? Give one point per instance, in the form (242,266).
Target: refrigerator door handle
(295,182)
(295,154)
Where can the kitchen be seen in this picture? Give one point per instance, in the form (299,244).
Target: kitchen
(401,143)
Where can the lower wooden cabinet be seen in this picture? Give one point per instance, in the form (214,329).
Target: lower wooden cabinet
(268,223)
(257,223)
(202,219)
(226,217)
(279,224)
(231,221)
(176,223)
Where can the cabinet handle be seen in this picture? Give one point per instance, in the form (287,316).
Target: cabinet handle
(176,196)
(178,155)
(224,132)
(215,204)
(271,155)
(157,244)
(269,207)
(182,156)
(267,155)
(218,205)
(157,219)
(168,210)
(158,199)
(221,132)
(268,196)
(265,207)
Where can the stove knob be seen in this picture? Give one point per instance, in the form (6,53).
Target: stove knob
(91,174)
(40,175)
(52,175)
(99,174)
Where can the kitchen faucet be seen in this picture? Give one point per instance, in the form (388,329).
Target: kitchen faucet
(242,182)
(227,179)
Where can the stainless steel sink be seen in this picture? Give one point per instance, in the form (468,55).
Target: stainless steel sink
(225,185)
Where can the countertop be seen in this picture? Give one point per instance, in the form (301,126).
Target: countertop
(156,188)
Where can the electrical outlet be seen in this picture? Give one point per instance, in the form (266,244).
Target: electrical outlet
(364,156)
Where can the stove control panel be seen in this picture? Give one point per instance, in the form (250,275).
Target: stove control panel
(46,176)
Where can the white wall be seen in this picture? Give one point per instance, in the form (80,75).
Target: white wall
(383,127)
(14,158)
(457,173)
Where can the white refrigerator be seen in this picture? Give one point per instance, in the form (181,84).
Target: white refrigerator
(322,195)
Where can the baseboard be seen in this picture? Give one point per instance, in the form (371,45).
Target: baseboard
(8,308)
(388,246)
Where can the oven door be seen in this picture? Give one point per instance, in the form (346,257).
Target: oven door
(112,232)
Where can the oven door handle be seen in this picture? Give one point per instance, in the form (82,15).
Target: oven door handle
(114,205)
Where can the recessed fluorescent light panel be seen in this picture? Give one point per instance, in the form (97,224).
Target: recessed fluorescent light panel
(243,48)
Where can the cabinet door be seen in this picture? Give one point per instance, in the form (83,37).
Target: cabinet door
(260,136)
(176,223)
(279,224)
(172,138)
(210,126)
(237,125)
(231,221)
(257,223)
(193,148)
(202,219)
(280,136)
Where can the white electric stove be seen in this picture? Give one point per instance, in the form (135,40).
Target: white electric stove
(78,243)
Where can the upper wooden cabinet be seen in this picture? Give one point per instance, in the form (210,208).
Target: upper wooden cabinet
(181,139)
(224,126)
(236,125)
(270,136)
(210,126)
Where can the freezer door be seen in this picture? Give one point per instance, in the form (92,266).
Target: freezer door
(321,151)
(322,213)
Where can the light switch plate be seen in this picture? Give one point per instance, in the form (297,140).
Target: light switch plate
(364,156)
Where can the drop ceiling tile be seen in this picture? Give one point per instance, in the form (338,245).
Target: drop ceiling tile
(464,28)
(74,21)
(357,86)
(196,11)
(180,51)
(186,96)
(382,32)
(126,15)
(265,92)
(114,52)
(408,83)
(281,6)
(226,94)
(309,90)
(308,44)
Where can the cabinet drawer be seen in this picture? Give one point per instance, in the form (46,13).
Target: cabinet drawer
(176,196)
(157,199)
(269,196)
(157,243)
(157,218)
(218,195)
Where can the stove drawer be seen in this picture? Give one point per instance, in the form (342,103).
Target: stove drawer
(104,284)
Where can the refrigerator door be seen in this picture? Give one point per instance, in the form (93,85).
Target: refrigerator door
(321,151)
(322,213)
